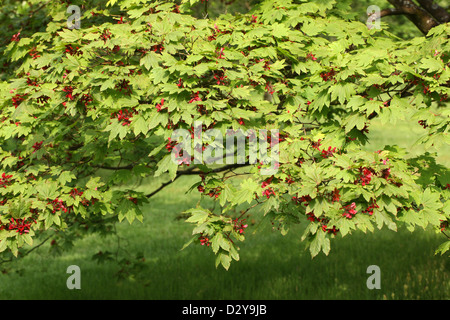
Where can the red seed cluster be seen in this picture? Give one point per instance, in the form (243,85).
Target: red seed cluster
(15,37)
(326,76)
(370,208)
(20,225)
(335,196)
(58,205)
(33,54)
(328,153)
(311,217)
(124,116)
(69,90)
(105,35)
(159,106)
(311,56)
(73,51)
(239,226)
(77,193)
(17,99)
(220,77)
(349,210)
(36,146)
(269,191)
(86,99)
(423,123)
(124,85)
(157,48)
(32,83)
(303,199)
(5,180)
(366,176)
(204,240)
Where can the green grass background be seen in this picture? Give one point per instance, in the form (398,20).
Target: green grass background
(272,266)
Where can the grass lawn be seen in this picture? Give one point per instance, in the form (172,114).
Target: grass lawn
(272,266)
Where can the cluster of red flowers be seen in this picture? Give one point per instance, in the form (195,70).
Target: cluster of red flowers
(370,208)
(32,83)
(200,108)
(268,192)
(86,99)
(105,35)
(385,173)
(328,153)
(5,180)
(443,225)
(269,88)
(266,182)
(36,146)
(289,180)
(220,77)
(170,145)
(157,48)
(214,193)
(34,55)
(20,225)
(311,56)
(204,240)
(195,98)
(311,217)
(326,76)
(123,116)
(423,123)
(221,54)
(159,106)
(134,200)
(69,90)
(124,85)
(303,199)
(17,99)
(316,145)
(42,99)
(58,205)
(73,51)
(15,37)
(349,210)
(332,230)
(335,196)
(366,176)
(239,226)
(74,193)
(266,63)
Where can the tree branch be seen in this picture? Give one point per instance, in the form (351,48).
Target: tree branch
(28,252)
(391,12)
(423,20)
(439,13)
(191,171)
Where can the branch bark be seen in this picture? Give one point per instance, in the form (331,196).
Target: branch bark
(423,20)
(439,13)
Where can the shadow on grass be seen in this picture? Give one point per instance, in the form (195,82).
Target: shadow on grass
(271,267)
